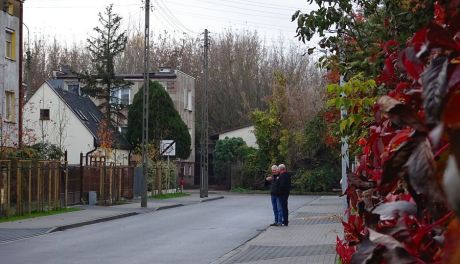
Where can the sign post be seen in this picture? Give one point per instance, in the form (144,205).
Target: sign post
(168,148)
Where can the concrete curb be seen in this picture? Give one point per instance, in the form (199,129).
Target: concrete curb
(168,207)
(212,199)
(90,222)
(110,218)
(225,258)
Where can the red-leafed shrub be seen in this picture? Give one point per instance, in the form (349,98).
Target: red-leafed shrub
(401,62)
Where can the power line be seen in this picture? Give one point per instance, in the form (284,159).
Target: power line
(163,6)
(278,15)
(68,7)
(262,4)
(242,22)
(240,7)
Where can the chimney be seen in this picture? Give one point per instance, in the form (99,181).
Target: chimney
(65,69)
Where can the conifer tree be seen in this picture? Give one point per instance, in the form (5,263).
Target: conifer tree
(100,81)
(164,121)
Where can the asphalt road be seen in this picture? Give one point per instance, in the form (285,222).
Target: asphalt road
(198,233)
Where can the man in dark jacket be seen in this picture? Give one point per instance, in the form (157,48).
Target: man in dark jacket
(284,189)
(272,181)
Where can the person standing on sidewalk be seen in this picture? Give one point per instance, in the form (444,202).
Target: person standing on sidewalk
(272,181)
(284,188)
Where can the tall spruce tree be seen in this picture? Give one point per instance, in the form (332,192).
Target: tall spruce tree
(100,81)
(164,121)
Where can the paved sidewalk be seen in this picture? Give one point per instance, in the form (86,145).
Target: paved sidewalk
(309,238)
(10,231)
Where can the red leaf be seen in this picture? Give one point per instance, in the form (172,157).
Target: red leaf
(394,209)
(419,38)
(421,170)
(401,114)
(344,251)
(440,37)
(439,14)
(434,81)
(399,138)
(454,76)
(393,167)
(411,63)
(452,11)
(451,115)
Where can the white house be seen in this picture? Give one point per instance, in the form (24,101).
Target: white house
(180,87)
(246,133)
(71,122)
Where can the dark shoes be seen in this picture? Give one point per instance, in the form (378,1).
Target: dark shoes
(285,224)
(276,224)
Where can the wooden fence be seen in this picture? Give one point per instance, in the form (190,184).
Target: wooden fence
(111,183)
(27,186)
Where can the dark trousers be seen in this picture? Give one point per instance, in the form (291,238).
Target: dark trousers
(284,208)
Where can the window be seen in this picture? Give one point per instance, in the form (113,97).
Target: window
(124,96)
(44,114)
(164,84)
(121,96)
(74,88)
(81,115)
(10,47)
(189,100)
(123,130)
(94,117)
(10,112)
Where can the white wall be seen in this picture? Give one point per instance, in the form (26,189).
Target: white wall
(75,137)
(117,156)
(246,133)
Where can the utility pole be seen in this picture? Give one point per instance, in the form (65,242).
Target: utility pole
(28,92)
(204,132)
(145,106)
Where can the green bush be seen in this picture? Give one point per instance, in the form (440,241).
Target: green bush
(322,179)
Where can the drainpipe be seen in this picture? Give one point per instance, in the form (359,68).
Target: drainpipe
(21,90)
(91,151)
(129,157)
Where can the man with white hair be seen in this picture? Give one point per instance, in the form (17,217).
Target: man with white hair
(272,181)
(284,189)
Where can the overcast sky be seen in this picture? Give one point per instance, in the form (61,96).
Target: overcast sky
(72,21)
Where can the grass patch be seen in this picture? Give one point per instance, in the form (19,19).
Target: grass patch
(170,195)
(244,190)
(38,214)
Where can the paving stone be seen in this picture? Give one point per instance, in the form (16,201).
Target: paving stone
(309,238)
(255,252)
(9,234)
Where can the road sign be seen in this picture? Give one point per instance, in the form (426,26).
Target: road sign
(168,147)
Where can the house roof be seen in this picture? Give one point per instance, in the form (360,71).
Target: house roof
(216,135)
(88,113)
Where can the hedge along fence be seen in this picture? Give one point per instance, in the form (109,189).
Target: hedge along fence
(30,185)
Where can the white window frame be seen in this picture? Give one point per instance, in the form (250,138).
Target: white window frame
(117,94)
(10,45)
(10,106)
